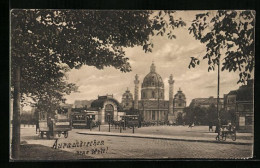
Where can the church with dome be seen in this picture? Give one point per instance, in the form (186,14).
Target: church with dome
(152,106)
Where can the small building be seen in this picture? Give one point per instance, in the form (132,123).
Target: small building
(107,109)
(241,102)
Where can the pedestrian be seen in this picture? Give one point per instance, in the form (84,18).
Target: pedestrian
(37,125)
(210,126)
(191,125)
(229,126)
(50,125)
(217,131)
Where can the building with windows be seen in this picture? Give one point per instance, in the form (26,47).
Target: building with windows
(152,106)
(107,109)
(241,103)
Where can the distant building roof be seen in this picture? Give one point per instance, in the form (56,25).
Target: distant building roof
(206,101)
(244,93)
(82,103)
(100,102)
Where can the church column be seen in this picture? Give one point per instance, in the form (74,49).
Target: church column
(171,116)
(136,81)
(171,81)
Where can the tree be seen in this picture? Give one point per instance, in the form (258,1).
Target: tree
(229,34)
(228,115)
(189,117)
(179,119)
(200,114)
(212,114)
(44,41)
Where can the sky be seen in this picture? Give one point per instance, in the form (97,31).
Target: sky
(170,57)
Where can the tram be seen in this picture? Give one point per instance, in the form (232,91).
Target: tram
(83,119)
(131,120)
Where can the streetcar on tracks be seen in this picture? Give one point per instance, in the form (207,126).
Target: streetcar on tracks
(84,120)
(130,120)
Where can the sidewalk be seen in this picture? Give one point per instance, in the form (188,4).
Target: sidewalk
(171,137)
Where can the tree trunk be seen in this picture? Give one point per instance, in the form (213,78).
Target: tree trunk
(16,114)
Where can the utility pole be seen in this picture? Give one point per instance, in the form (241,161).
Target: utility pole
(158,102)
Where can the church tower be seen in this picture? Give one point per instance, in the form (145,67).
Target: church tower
(127,100)
(136,81)
(179,102)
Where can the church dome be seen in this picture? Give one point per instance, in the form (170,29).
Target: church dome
(152,79)
(152,86)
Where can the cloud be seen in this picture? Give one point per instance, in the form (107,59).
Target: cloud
(170,57)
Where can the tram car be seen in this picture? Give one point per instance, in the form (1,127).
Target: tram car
(83,120)
(131,120)
(51,126)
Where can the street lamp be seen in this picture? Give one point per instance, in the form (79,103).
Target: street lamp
(219,121)
(108,122)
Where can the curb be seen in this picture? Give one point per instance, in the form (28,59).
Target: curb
(173,139)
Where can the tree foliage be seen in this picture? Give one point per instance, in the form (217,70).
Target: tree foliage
(47,43)
(201,115)
(229,34)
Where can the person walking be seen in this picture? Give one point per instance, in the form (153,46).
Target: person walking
(210,126)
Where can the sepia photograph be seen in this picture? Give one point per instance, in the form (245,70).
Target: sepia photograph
(131,84)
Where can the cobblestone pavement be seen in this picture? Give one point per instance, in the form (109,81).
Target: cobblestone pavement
(124,148)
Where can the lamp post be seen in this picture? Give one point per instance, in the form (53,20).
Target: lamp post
(218,112)
(108,122)
(142,119)
(158,100)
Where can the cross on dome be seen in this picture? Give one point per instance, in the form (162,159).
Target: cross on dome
(152,68)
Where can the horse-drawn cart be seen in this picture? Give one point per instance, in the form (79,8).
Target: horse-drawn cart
(227,131)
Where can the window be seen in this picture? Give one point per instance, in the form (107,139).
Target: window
(161,94)
(180,97)
(126,104)
(93,117)
(127,96)
(143,94)
(179,104)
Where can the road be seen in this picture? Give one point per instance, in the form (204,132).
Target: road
(122,147)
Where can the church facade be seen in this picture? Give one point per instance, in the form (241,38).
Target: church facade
(152,106)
